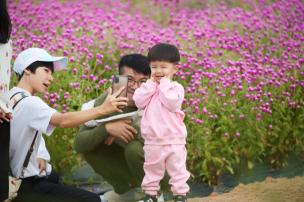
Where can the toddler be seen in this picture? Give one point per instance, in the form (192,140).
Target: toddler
(162,125)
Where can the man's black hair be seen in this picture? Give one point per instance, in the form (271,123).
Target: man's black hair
(5,23)
(32,67)
(137,62)
(164,52)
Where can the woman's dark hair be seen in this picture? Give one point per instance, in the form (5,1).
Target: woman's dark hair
(32,67)
(164,52)
(5,23)
(137,62)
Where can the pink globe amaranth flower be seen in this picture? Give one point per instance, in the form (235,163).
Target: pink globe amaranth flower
(258,117)
(76,85)
(107,67)
(102,81)
(98,62)
(66,95)
(199,121)
(74,71)
(237,134)
(93,77)
(46,95)
(65,53)
(242,116)
(99,56)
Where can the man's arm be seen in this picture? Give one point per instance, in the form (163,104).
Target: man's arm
(87,139)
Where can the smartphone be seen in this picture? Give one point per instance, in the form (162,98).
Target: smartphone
(120,81)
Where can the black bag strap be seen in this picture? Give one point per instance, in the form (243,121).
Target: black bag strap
(23,95)
(31,149)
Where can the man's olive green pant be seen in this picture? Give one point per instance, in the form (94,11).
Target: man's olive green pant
(121,165)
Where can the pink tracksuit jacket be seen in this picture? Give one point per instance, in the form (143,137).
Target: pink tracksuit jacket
(164,132)
(162,121)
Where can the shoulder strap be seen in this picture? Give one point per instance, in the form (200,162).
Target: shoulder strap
(30,151)
(16,98)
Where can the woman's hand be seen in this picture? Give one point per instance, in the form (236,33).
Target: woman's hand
(113,103)
(4,116)
(41,165)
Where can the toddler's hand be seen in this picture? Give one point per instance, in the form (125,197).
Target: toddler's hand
(157,78)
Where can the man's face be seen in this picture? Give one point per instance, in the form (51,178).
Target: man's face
(134,82)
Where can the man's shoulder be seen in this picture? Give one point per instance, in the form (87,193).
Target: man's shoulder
(100,99)
(93,103)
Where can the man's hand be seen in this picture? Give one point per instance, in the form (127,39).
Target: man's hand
(109,140)
(121,129)
(41,165)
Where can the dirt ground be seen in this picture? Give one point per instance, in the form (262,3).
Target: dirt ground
(269,190)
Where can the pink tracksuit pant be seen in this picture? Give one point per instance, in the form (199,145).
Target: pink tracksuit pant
(161,158)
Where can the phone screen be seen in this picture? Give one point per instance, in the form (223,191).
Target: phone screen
(120,81)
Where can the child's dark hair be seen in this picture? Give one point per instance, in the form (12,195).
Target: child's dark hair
(164,52)
(32,67)
(137,62)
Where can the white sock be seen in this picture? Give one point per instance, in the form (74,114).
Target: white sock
(103,198)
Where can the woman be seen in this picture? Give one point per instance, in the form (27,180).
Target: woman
(5,60)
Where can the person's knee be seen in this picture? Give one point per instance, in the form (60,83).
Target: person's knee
(134,151)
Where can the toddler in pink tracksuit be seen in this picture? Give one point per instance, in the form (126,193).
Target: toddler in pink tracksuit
(162,125)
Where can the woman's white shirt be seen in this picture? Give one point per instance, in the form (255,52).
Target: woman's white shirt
(30,115)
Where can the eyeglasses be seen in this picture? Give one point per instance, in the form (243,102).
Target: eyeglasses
(138,83)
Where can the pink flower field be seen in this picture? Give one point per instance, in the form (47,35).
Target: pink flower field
(242,68)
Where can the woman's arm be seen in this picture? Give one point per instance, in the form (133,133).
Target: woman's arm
(73,119)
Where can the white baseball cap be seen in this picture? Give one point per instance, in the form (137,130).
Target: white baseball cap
(31,55)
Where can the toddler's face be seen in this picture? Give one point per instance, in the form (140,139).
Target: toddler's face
(160,69)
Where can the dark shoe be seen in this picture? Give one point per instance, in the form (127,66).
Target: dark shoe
(180,198)
(148,198)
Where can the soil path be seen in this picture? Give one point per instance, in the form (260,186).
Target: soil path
(269,190)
